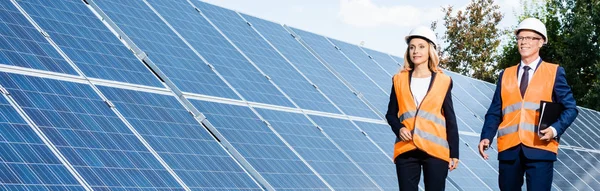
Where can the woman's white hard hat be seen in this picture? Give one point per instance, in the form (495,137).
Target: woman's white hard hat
(422,32)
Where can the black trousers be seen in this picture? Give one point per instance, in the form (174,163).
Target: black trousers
(408,169)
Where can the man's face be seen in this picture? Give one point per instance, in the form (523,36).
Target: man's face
(529,43)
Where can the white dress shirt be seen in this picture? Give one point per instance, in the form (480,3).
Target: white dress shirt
(533,65)
(419,87)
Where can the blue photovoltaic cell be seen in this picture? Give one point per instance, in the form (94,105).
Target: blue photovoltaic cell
(384,60)
(236,69)
(87,41)
(89,134)
(367,65)
(571,172)
(266,58)
(593,117)
(460,81)
(473,124)
(579,137)
(576,134)
(463,175)
(491,86)
(376,96)
(382,135)
(374,162)
(464,92)
(581,166)
(593,163)
(397,59)
(178,62)
(470,158)
(22,45)
(483,87)
(26,163)
(260,146)
(317,150)
(312,68)
(588,127)
(180,140)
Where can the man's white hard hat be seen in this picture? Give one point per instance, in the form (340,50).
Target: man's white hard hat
(534,25)
(422,32)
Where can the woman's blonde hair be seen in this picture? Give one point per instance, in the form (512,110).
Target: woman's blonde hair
(433,60)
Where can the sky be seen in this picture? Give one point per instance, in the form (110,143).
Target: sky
(377,24)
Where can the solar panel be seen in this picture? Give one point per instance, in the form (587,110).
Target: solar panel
(469,122)
(373,161)
(470,158)
(381,134)
(200,161)
(366,65)
(593,162)
(22,45)
(318,150)
(589,127)
(26,162)
(385,61)
(266,58)
(178,62)
(462,89)
(465,175)
(309,66)
(571,173)
(578,130)
(491,86)
(258,144)
(397,59)
(91,137)
(85,39)
(236,69)
(483,86)
(484,100)
(350,73)
(585,170)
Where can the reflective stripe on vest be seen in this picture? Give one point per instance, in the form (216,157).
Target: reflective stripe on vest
(520,114)
(427,123)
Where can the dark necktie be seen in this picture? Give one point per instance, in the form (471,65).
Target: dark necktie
(524,80)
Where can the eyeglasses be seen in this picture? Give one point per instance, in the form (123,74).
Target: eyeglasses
(527,38)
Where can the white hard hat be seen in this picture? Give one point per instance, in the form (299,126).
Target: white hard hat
(422,32)
(534,25)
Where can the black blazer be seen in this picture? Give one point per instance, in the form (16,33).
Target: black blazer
(447,110)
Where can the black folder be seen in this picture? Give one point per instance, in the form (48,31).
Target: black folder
(549,113)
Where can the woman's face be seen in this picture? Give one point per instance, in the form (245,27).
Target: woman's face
(418,51)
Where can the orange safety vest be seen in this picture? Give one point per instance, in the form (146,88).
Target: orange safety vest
(520,114)
(427,123)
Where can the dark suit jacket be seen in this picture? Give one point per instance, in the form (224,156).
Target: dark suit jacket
(447,108)
(560,94)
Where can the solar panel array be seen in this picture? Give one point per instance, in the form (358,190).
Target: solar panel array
(185,95)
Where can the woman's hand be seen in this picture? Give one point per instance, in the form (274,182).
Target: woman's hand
(453,164)
(405,134)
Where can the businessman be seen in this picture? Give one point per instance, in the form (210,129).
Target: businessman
(514,111)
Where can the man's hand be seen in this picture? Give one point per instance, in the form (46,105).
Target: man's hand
(453,164)
(484,145)
(548,134)
(405,134)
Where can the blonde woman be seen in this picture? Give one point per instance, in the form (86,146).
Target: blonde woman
(421,115)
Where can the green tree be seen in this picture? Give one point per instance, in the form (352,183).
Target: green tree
(472,39)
